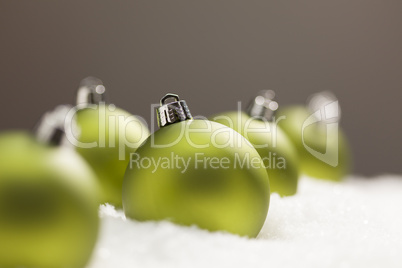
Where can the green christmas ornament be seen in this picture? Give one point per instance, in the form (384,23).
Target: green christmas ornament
(48,199)
(321,144)
(196,172)
(108,136)
(273,145)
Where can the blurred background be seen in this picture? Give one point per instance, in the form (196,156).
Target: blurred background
(213,54)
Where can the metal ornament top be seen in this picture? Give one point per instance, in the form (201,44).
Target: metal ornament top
(263,106)
(91,91)
(51,128)
(325,106)
(172,110)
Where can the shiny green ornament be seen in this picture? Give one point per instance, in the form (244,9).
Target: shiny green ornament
(321,144)
(48,200)
(273,145)
(108,136)
(197,172)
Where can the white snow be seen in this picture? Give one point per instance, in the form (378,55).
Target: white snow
(357,223)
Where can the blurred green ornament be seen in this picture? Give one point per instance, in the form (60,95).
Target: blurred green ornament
(108,136)
(48,199)
(322,146)
(273,145)
(197,172)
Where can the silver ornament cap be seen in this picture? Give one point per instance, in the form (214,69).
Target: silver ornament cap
(91,91)
(325,106)
(263,105)
(172,110)
(51,128)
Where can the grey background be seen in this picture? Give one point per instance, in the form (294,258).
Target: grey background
(212,53)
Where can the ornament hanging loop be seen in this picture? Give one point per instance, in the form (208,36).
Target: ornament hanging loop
(169,96)
(173,111)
